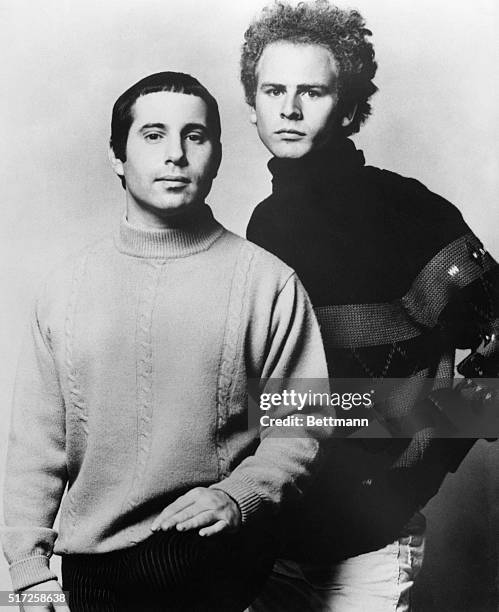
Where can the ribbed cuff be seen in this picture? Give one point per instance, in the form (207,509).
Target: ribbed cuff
(249,502)
(29,571)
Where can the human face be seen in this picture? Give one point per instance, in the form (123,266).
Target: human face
(170,157)
(296,103)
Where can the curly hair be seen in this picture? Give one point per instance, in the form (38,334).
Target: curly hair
(342,32)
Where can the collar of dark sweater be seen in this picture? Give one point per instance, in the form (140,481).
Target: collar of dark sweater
(316,171)
(193,233)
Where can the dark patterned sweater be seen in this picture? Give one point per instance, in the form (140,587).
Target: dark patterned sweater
(398,282)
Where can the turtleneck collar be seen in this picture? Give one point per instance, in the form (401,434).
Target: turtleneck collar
(318,169)
(193,233)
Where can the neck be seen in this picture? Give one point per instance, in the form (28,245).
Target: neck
(148,218)
(190,233)
(318,169)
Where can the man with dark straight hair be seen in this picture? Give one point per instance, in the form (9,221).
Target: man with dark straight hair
(398,282)
(132,388)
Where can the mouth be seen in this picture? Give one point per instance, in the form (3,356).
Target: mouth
(173,179)
(289,134)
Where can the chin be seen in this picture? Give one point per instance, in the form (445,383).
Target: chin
(290,150)
(179,209)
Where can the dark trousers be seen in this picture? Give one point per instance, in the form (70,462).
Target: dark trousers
(171,571)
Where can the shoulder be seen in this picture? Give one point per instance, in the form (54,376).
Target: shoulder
(96,249)
(268,226)
(265,262)
(410,196)
(266,214)
(58,280)
(262,269)
(265,209)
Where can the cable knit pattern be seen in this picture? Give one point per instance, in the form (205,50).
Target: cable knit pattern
(228,364)
(144,400)
(75,393)
(154,335)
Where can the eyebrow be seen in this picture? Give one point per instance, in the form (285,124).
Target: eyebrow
(312,86)
(195,126)
(299,86)
(147,126)
(162,126)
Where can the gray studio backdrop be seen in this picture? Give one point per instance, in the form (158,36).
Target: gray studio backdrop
(435,117)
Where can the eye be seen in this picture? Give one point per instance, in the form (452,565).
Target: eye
(312,93)
(153,136)
(196,137)
(274,91)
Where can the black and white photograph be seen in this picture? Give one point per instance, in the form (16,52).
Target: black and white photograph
(220,217)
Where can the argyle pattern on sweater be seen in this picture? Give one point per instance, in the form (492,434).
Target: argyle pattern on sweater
(398,282)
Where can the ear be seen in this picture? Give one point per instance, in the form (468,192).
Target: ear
(116,163)
(217,159)
(349,117)
(252,115)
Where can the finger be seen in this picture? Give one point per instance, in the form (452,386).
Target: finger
(203,519)
(186,515)
(219,526)
(181,517)
(171,511)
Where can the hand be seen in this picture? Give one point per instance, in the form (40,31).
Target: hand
(51,586)
(211,509)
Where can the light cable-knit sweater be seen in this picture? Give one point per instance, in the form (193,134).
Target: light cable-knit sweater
(132,389)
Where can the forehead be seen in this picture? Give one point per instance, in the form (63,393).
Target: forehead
(170,108)
(293,63)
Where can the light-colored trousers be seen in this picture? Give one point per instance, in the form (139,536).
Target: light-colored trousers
(378,581)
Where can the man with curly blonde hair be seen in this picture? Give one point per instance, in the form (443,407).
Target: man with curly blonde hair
(342,33)
(397,280)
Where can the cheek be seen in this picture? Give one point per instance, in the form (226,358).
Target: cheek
(265,128)
(138,165)
(325,115)
(265,113)
(136,175)
(203,166)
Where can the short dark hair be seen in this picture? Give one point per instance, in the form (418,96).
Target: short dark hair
(177,82)
(342,32)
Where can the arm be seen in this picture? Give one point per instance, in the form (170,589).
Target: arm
(282,465)
(36,464)
(51,587)
(470,319)
(457,296)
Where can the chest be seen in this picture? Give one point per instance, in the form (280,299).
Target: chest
(163,316)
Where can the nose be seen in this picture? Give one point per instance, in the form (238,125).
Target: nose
(291,107)
(174,150)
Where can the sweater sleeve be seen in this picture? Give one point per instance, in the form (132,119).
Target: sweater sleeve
(36,466)
(285,462)
(456,296)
